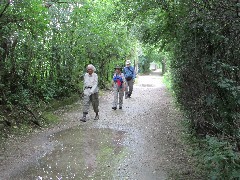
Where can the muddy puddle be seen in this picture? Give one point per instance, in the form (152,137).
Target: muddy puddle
(79,153)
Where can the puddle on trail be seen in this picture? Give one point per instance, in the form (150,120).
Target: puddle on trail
(79,154)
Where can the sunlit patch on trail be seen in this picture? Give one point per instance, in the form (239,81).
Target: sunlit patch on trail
(150,81)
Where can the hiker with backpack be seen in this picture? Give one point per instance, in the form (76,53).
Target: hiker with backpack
(118,84)
(129,75)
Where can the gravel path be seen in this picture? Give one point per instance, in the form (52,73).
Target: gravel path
(142,141)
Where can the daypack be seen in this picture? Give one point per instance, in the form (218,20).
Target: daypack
(118,79)
(128,78)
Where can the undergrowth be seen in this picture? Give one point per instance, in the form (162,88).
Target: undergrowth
(44,116)
(218,157)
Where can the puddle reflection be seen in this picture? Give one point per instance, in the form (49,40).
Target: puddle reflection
(79,154)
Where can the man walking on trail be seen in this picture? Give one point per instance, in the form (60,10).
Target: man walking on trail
(118,84)
(90,92)
(129,74)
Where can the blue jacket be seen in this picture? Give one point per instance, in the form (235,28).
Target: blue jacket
(129,72)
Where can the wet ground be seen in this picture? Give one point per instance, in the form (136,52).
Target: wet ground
(141,141)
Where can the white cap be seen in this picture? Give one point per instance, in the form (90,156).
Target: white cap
(128,62)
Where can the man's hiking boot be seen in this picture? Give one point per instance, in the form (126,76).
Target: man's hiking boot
(96,117)
(114,108)
(83,119)
(120,107)
(126,95)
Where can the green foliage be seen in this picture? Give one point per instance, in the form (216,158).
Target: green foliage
(220,159)
(144,64)
(167,81)
(50,118)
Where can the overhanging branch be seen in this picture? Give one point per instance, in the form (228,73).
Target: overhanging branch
(6,6)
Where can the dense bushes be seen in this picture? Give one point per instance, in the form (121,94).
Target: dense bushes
(206,81)
(205,69)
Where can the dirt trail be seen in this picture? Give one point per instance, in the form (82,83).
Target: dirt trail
(141,141)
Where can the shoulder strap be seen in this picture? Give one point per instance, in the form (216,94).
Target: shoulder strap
(129,69)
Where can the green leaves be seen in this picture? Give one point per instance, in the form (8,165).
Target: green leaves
(220,159)
(210,100)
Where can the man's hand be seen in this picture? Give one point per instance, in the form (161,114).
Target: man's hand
(87,93)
